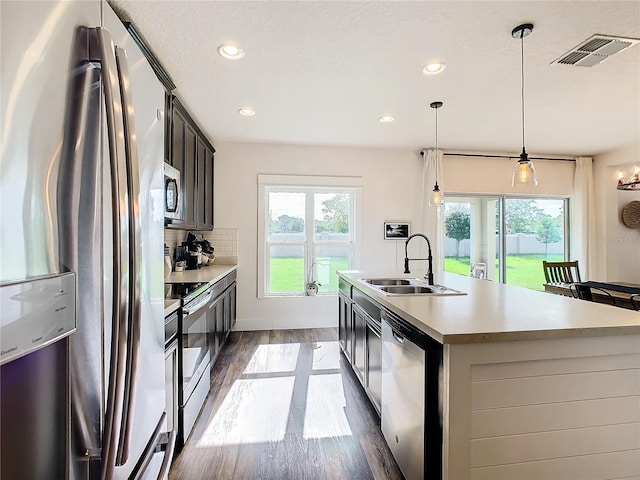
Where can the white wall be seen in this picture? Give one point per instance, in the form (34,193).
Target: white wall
(618,246)
(390,191)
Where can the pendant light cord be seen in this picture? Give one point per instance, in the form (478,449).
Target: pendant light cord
(436,146)
(522,83)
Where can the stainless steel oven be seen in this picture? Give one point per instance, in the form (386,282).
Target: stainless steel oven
(193,359)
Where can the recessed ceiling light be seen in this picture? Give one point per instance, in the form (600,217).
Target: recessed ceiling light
(231,51)
(386,119)
(431,68)
(247,112)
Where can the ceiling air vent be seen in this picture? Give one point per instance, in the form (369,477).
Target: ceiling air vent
(595,50)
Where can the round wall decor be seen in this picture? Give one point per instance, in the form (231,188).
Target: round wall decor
(631,214)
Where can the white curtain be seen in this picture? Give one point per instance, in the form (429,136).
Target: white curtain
(583,214)
(433,217)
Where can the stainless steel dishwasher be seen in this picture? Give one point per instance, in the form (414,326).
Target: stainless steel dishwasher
(403,398)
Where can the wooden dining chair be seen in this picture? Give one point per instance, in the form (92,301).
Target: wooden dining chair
(561,272)
(585,292)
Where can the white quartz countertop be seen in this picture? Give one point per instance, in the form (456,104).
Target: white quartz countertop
(494,312)
(210,274)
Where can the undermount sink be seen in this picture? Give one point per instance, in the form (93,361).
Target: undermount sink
(409,286)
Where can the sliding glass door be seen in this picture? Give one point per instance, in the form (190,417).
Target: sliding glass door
(505,238)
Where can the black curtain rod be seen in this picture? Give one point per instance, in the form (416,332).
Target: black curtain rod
(452,154)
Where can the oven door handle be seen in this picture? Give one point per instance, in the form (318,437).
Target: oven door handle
(192,308)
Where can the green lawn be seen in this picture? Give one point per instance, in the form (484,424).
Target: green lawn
(522,270)
(288,276)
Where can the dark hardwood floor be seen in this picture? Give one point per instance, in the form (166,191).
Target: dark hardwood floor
(285,404)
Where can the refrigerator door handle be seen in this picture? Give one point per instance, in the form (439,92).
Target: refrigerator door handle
(135,234)
(121,261)
(81,124)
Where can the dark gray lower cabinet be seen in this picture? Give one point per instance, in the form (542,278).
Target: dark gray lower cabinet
(359,334)
(230,308)
(221,316)
(344,324)
(215,325)
(359,319)
(373,379)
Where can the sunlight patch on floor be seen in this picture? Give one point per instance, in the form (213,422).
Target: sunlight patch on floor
(326,356)
(254,411)
(324,414)
(272,358)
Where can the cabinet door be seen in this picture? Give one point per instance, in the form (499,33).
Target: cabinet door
(359,321)
(212,329)
(201,184)
(176,157)
(373,377)
(231,305)
(177,140)
(344,324)
(208,189)
(189,178)
(220,323)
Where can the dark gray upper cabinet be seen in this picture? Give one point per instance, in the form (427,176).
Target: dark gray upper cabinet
(191,152)
(190,177)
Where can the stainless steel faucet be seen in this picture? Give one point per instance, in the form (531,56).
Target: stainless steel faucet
(429,274)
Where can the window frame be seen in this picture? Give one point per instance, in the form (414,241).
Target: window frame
(309,185)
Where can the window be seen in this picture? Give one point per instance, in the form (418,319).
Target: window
(307,232)
(511,236)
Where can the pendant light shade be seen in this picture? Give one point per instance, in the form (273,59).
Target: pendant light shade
(525,172)
(437,197)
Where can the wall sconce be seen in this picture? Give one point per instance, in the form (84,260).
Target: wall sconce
(631,183)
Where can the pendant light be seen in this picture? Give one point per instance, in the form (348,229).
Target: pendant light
(437,198)
(525,173)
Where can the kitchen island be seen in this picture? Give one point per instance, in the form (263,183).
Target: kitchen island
(530,385)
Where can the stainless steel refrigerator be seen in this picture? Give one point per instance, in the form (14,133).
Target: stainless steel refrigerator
(81,197)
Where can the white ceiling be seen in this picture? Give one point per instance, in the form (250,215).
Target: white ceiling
(322,72)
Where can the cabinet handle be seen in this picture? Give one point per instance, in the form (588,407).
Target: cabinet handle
(398,338)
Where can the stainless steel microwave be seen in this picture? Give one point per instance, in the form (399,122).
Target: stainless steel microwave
(172,193)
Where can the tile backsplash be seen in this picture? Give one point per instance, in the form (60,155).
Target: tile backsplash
(224,240)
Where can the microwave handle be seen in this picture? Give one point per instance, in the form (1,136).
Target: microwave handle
(167,183)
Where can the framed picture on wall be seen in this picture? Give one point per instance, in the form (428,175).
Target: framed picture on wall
(397,230)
